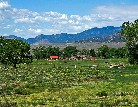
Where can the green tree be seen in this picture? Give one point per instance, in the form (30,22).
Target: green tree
(39,52)
(112,53)
(69,51)
(121,52)
(103,52)
(13,52)
(52,51)
(130,34)
(42,52)
(92,52)
(84,52)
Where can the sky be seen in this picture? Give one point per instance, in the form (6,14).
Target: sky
(30,18)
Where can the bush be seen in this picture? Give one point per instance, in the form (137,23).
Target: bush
(102,94)
(8,104)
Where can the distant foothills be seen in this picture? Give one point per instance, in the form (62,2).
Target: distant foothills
(104,34)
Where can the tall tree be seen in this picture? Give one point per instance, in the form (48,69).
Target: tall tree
(70,51)
(42,52)
(92,52)
(13,52)
(84,52)
(130,35)
(103,52)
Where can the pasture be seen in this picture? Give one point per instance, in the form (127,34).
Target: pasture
(70,84)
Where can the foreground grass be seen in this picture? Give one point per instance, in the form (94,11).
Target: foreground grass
(69,84)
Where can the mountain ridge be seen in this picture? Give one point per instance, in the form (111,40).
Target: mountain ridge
(93,33)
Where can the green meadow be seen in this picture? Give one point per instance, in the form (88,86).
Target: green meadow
(67,83)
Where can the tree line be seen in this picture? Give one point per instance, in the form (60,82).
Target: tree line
(104,52)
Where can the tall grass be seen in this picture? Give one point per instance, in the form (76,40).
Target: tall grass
(69,84)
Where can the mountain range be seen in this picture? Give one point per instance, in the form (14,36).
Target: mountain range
(104,34)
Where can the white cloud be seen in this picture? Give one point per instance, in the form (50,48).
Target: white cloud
(18,30)
(32,23)
(52,31)
(24,20)
(5,34)
(117,13)
(35,31)
(7,27)
(4,5)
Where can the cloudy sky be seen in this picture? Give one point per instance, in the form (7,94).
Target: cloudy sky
(29,18)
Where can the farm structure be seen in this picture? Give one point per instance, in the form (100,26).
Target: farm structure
(54,57)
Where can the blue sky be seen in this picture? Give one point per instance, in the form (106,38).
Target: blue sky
(29,18)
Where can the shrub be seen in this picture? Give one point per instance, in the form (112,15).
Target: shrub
(102,94)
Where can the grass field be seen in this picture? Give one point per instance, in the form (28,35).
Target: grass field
(69,84)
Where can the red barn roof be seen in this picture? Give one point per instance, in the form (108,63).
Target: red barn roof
(54,57)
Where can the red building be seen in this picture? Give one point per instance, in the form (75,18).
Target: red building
(54,57)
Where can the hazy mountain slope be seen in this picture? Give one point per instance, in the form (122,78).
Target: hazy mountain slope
(95,34)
